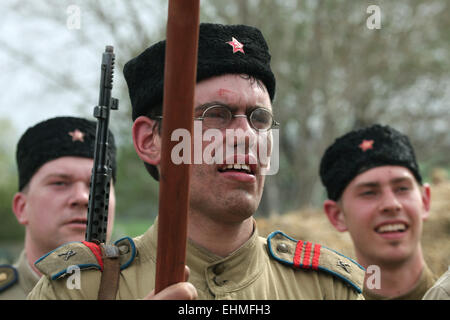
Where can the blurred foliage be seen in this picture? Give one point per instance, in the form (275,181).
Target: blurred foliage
(10,229)
(139,202)
(130,227)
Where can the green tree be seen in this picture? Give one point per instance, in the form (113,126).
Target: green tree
(10,229)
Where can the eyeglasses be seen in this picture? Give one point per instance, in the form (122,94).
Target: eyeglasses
(219,117)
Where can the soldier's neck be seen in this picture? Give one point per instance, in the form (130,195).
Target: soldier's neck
(219,238)
(396,278)
(33,253)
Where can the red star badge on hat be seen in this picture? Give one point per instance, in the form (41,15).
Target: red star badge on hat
(366,145)
(77,135)
(237,46)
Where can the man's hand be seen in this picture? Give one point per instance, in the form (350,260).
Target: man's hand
(177,291)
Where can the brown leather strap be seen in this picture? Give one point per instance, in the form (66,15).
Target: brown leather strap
(109,282)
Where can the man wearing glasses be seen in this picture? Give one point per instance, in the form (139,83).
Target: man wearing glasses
(226,257)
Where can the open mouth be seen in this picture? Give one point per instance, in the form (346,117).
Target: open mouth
(391,228)
(245,168)
(240,165)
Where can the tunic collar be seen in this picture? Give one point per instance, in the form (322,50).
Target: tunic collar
(27,276)
(231,273)
(211,273)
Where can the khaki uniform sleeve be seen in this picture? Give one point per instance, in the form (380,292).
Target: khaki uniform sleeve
(67,288)
(437,293)
(440,290)
(341,291)
(42,291)
(73,270)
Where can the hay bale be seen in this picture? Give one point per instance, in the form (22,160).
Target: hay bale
(439,175)
(310,225)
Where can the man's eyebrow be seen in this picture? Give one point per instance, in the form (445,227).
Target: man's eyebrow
(203,107)
(400,180)
(232,107)
(376,184)
(368,184)
(58,175)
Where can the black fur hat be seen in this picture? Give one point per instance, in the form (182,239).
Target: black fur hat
(55,138)
(361,150)
(223,49)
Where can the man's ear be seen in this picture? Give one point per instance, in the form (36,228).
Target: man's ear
(335,214)
(146,140)
(18,206)
(426,200)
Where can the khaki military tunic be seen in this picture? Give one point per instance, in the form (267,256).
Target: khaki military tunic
(18,280)
(441,289)
(276,268)
(426,280)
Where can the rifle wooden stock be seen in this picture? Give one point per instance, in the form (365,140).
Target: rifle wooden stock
(178,112)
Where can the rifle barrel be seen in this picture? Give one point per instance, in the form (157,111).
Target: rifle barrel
(96,229)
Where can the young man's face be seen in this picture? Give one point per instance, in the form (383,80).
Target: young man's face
(227,194)
(384,209)
(54,205)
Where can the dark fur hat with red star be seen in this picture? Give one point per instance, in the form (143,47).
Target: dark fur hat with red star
(223,49)
(55,138)
(361,150)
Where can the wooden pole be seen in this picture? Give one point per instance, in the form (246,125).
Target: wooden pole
(178,112)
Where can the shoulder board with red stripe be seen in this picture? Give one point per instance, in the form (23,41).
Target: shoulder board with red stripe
(307,255)
(84,255)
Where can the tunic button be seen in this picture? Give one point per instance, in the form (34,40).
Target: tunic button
(219,282)
(219,269)
(283,248)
